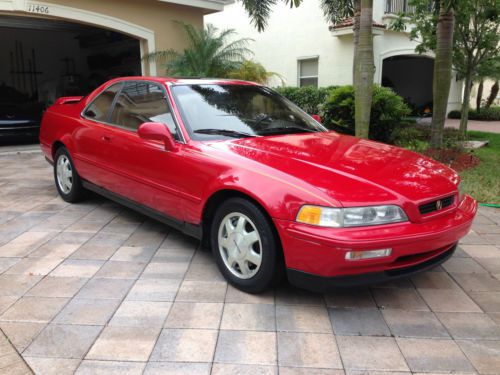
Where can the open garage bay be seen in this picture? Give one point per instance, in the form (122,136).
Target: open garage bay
(43,59)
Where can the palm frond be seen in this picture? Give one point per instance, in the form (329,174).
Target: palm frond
(259,12)
(337,10)
(161,56)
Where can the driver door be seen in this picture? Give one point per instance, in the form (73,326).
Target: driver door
(145,172)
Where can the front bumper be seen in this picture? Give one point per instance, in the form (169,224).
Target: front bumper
(319,253)
(324,284)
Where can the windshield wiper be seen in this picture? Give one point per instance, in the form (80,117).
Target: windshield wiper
(286,130)
(226,132)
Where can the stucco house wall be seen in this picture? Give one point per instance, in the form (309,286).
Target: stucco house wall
(298,33)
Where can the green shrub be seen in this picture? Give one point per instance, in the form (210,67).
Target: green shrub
(308,98)
(338,110)
(388,111)
(485,114)
(411,137)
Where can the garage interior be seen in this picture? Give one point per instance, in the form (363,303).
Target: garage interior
(411,78)
(44,59)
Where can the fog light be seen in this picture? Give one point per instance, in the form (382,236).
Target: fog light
(369,254)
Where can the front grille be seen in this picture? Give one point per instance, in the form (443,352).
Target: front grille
(436,205)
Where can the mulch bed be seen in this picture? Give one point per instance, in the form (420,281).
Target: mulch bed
(455,158)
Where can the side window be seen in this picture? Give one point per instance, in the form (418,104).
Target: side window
(99,109)
(141,102)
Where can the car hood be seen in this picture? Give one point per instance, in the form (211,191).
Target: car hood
(350,170)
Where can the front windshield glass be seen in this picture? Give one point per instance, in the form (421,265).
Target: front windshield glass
(220,111)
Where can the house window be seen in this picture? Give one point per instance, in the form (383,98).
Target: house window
(308,72)
(399,6)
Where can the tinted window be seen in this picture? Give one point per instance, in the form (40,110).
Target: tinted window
(99,109)
(141,102)
(242,109)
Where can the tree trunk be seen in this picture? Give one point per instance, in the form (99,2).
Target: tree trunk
(357,16)
(479,96)
(364,70)
(462,132)
(442,73)
(493,95)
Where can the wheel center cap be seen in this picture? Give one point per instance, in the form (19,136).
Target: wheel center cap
(235,240)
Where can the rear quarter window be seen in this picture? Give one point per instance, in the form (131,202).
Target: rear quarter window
(99,109)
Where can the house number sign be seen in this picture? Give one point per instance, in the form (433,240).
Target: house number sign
(36,8)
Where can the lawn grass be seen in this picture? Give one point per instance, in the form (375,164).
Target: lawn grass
(483,181)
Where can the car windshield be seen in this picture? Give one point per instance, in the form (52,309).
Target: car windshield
(221,111)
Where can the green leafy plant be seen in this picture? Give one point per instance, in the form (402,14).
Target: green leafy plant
(210,53)
(388,111)
(411,137)
(476,44)
(486,114)
(253,71)
(309,98)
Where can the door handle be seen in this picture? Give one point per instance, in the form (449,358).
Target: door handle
(106,138)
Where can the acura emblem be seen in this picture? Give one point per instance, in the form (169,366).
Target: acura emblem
(439,205)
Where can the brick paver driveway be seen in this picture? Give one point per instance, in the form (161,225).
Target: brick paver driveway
(96,288)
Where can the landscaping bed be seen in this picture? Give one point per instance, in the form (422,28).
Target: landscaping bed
(483,180)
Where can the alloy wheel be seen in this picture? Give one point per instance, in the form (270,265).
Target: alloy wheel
(240,245)
(64,173)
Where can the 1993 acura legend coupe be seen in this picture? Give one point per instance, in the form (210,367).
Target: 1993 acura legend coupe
(266,186)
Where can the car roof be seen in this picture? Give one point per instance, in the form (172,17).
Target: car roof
(187,81)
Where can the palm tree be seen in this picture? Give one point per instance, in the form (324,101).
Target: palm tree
(493,95)
(364,69)
(363,66)
(253,71)
(433,26)
(211,53)
(442,70)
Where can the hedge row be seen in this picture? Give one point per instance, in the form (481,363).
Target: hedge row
(485,114)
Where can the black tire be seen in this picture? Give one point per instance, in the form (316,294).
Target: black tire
(271,269)
(76,193)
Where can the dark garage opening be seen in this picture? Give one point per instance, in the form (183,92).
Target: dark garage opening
(43,59)
(411,78)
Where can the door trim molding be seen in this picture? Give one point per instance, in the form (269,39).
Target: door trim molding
(192,230)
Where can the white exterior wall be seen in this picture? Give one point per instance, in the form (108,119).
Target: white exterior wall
(293,34)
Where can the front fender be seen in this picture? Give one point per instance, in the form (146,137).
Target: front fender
(279,194)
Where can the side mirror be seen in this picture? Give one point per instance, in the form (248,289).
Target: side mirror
(317,118)
(156,131)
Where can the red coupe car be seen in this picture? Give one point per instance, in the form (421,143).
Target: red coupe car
(263,184)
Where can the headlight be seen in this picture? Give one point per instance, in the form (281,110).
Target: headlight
(350,217)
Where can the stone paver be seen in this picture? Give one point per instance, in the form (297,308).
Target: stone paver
(371,353)
(424,355)
(185,345)
(96,288)
(246,347)
(10,360)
